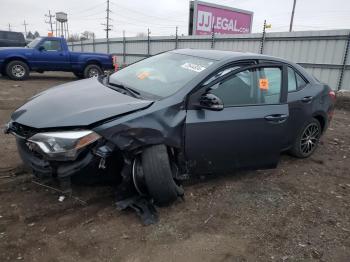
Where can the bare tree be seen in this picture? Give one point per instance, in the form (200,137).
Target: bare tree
(73,37)
(86,35)
(141,34)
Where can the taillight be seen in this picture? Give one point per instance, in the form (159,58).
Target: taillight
(332,95)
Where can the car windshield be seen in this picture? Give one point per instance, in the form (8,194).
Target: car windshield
(34,43)
(161,75)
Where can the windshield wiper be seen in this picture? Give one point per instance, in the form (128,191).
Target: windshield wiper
(131,91)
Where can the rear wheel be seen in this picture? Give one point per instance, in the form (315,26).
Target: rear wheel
(307,140)
(92,70)
(158,175)
(17,70)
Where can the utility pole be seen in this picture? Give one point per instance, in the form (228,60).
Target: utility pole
(25,27)
(50,21)
(176,38)
(148,42)
(263,38)
(108,26)
(9,27)
(292,17)
(108,19)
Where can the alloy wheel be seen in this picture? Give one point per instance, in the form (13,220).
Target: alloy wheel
(309,138)
(93,72)
(18,71)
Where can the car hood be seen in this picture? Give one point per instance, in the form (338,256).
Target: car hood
(79,103)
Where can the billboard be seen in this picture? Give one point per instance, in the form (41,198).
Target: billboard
(206,18)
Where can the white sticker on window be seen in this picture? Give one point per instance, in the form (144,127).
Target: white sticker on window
(193,67)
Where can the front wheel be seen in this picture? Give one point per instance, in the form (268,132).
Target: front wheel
(17,70)
(92,70)
(307,140)
(158,175)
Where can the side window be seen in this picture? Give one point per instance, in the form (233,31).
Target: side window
(251,87)
(292,83)
(52,45)
(301,83)
(220,74)
(295,81)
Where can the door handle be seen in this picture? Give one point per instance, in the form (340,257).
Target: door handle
(276,118)
(306,99)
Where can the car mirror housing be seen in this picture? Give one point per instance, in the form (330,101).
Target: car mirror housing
(210,102)
(41,48)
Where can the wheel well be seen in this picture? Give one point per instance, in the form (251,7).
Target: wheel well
(93,62)
(8,60)
(321,120)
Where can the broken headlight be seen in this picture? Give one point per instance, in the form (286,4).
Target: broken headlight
(65,145)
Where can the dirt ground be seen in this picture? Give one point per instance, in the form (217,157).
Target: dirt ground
(297,212)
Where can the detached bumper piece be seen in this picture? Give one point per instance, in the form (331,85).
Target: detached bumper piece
(143,208)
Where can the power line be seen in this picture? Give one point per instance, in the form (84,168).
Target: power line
(50,20)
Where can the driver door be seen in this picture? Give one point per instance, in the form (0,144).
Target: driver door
(248,131)
(51,56)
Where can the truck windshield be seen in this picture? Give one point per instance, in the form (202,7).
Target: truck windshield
(34,43)
(161,75)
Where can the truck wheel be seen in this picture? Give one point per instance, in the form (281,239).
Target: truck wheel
(307,140)
(92,71)
(17,70)
(79,75)
(158,175)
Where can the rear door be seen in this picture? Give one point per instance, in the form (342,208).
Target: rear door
(52,56)
(248,132)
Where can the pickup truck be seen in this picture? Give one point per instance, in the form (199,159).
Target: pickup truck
(51,54)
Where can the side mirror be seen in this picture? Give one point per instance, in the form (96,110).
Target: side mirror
(41,48)
(210,102)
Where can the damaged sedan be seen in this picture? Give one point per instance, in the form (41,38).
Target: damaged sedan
(162,119)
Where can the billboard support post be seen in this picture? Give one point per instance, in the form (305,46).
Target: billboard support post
(212,37)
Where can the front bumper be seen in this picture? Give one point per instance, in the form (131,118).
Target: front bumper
(87,162)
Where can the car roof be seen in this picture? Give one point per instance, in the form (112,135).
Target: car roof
(227,56)
(221,55)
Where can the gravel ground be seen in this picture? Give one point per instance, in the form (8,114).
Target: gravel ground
(296,212)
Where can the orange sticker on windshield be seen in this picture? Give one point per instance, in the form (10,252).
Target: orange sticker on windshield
(264,84)
(143,75)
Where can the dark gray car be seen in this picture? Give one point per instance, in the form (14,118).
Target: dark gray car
(178,113)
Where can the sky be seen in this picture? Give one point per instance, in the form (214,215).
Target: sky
(162,17)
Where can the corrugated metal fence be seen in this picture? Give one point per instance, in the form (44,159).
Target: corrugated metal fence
(325,54)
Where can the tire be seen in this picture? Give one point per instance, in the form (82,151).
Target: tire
(302,147)
(17,70)
(79,75)
(158,175)
(92,70)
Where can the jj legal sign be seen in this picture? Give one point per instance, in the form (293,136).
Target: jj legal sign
(206,18)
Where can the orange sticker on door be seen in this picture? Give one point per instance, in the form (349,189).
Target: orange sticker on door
(264,84)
